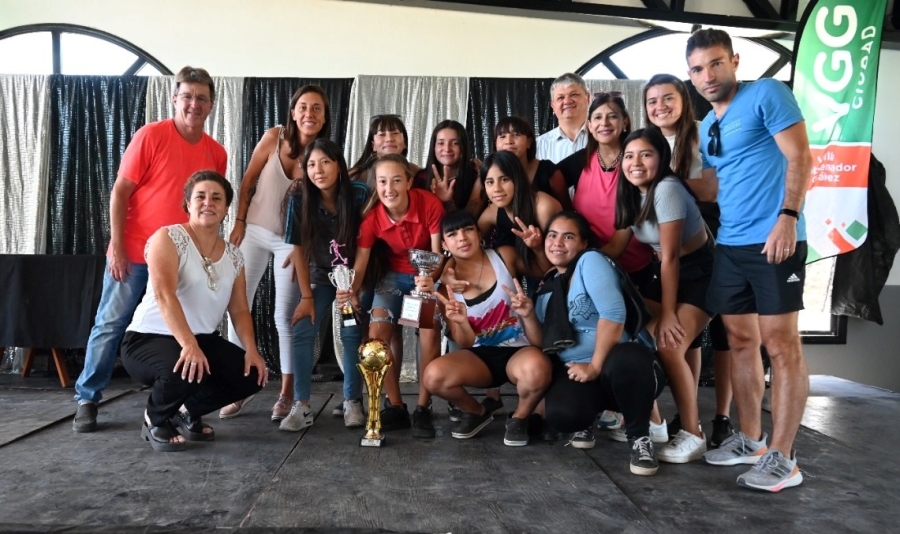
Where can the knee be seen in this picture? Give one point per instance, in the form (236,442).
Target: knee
(784,348)
(533,374)
(434,379)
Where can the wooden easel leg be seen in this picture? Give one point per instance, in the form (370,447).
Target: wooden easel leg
(61,370)
(26,366)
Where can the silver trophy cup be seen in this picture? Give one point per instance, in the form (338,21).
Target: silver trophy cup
(418,306)
(342,278)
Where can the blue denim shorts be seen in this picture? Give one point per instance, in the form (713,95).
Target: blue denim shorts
(390,290)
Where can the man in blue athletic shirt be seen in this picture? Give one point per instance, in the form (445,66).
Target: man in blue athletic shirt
(754,139)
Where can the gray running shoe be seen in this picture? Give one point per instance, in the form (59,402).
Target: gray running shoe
(773,472)
(738,449)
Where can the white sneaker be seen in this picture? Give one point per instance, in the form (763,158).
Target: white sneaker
(300,417)
(610,420)
(353,414)
(684,447)
(658,433)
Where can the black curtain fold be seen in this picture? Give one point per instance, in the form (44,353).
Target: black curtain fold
(266,104)
(491,99)
(92,120)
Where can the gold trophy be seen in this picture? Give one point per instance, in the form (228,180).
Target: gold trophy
(342,278)
(418,307)
(374,361)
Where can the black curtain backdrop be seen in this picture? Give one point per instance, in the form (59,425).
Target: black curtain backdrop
(491,99)
(92,119)
(266,104)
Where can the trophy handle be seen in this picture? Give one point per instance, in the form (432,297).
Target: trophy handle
(331,279)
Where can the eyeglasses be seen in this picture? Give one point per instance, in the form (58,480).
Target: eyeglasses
(611,94)
(376,118)
(210,275)
(714,142)
(188,98)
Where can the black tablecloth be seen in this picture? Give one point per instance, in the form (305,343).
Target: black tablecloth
(49,301)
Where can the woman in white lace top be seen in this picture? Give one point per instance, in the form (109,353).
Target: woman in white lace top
(172,344)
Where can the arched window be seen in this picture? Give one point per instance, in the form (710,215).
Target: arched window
(662,51)
(71,49)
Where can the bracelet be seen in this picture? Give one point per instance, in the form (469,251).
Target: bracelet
(792,213)
(242,220)
(305,298)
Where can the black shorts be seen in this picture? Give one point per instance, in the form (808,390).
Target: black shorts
(744,281)
(642,278)
(496,359)
(694,274)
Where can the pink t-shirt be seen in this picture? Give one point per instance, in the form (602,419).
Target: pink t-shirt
(595,198)
(414,230)
(159,162)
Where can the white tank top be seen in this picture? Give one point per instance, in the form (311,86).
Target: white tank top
(271,188)
(494,322)
(203,307)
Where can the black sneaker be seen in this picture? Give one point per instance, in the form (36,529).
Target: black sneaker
(85,418)
(471,424)
(643,458)
(454,412)
(722,430)
(422,426)
(394,418)
(493,406)
(674,426)
(516,432)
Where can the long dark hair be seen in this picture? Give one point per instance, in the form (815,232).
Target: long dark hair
(617,104)
(381,123)
(290,126)
(524,198)
(311,234)
(456,220)
(466,175)
(686,135)
(628,197)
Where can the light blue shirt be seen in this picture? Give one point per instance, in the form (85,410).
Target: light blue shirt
(750,166)
(594,294)
(555,146)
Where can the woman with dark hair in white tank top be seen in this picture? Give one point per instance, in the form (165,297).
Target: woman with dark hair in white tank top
(492,329)
(259,226)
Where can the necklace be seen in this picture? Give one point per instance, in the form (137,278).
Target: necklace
(603,165)
(211,281)
(477,283)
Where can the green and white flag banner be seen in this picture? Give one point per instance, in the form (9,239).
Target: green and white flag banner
(835,75)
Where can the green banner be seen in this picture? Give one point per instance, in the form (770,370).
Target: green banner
(835,75)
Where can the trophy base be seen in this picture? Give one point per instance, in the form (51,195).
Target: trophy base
(417,312)
(349,322)
(371,442)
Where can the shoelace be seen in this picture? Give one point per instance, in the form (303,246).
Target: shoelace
(643,445)
(766,463)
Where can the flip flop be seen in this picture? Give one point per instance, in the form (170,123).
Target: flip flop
(192,428)
(159,437)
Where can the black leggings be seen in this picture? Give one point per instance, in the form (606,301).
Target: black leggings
(150,359)
(631,379)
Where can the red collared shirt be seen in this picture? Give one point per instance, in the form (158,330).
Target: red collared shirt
(413,231)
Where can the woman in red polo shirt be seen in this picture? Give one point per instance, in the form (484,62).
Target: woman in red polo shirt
(404,218)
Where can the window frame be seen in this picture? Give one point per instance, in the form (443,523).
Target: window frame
(55,30)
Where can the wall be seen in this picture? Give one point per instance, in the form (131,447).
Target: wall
(330,38)
(261,38)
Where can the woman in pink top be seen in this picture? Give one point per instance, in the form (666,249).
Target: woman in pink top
(259,227)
